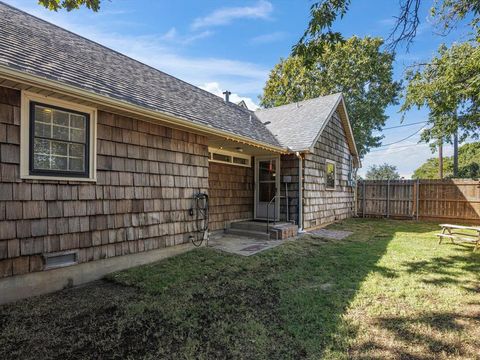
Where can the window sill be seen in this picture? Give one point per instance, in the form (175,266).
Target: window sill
(57,178)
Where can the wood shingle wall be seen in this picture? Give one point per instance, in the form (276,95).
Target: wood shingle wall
(230,194)
(323,206)
(289,168)
(146,176)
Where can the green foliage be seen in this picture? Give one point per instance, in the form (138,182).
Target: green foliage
(356,67)
(320,35)
(70,5)
(319,32)
(468,164)
(449,85)
(449,12)
(382,172)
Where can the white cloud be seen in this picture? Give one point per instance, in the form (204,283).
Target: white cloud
(268,38)
(216,89)
(173,35)
(261,10)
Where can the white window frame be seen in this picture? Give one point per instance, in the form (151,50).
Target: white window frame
(232,154)
(334,174)
(28,97)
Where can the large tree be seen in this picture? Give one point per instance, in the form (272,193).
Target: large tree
(356,67)
(468,164)
(445,13)
(449,86)
(382,172)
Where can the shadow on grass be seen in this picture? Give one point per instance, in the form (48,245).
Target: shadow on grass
(432,335)
(445,270)
(281,304)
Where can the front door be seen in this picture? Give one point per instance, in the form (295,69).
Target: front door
(267,186)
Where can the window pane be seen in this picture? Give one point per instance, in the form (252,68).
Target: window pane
(266,170)
(41,162)
(76,164)
(76,150)
(77,121)
(60,133)
(59,148)
(43,130)
(266,191)
(221,157)
(330,175)
(58,163)
(60,117)
(241,161)
(77,135)
(42,114)
(41,146)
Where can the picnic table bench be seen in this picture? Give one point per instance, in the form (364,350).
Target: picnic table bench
(454,232)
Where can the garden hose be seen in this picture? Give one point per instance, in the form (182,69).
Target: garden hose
(200,210)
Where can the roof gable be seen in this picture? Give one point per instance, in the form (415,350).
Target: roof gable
(298,126)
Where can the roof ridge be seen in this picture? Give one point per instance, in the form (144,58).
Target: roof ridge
(216,97)
(299,102)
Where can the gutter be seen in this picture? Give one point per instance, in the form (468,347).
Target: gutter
(56,86)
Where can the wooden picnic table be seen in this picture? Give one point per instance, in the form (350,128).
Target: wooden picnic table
(454,232)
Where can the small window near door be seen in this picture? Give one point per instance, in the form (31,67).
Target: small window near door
(228,157)
(330,175)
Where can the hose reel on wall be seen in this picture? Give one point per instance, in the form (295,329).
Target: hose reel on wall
(199,209)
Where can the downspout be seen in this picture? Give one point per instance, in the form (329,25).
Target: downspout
(300,191)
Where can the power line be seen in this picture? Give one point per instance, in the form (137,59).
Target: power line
(404,125)
(408,137)
(398,147)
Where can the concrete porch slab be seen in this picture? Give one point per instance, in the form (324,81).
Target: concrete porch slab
(242,245)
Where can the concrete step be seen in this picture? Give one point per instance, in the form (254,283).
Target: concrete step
(261,235)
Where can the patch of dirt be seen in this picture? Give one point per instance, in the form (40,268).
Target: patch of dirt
(222,319)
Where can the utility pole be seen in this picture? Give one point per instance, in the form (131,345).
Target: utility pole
(455,154)
(440,159)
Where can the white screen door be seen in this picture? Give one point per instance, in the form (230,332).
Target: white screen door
(267,171)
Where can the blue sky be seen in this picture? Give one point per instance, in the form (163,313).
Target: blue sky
(220,45)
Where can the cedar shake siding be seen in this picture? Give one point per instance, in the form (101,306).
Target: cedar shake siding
(289,167)
(146,176)
(323,206)
(230,194)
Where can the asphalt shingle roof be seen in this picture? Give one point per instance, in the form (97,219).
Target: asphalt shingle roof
(297,125)
(37,47)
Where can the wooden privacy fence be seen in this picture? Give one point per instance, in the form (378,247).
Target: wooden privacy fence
(420,199)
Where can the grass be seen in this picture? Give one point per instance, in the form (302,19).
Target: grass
(389,291)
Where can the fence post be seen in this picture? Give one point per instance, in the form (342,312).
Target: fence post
(418,197)
(388,198)
(363,198)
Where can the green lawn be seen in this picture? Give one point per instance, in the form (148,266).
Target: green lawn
(387,291)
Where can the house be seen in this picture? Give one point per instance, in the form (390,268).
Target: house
(102,160)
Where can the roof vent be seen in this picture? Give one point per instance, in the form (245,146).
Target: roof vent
(227,95)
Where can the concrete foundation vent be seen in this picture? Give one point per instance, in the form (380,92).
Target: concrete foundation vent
(60,259)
